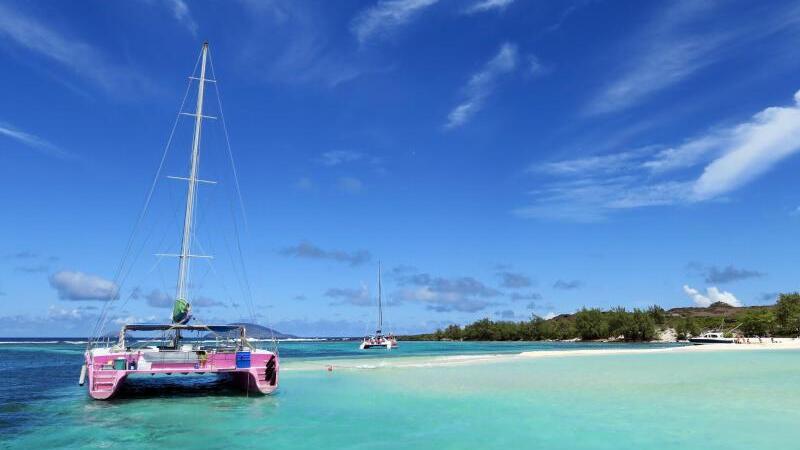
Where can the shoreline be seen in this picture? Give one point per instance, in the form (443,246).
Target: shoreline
(333,365)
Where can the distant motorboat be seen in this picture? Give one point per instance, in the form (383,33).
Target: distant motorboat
(712,337)
(378,340)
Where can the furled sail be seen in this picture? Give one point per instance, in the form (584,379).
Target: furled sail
(181,311)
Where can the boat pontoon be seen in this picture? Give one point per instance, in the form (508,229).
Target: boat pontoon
(228,353)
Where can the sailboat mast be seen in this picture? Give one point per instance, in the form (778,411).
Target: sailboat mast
(380,307)
(185,255)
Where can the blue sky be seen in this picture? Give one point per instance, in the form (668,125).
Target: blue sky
(501,158)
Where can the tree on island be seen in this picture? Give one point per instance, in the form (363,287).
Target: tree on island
(782,319)
(787,313)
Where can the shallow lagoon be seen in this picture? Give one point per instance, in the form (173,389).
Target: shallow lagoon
(423,396)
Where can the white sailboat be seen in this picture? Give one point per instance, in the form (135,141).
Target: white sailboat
(378,340)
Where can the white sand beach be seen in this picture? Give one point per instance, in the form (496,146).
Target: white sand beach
(454,360)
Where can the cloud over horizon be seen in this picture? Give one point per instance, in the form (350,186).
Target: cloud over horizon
(310,251)
(77,286)
(440,294)
(713,295)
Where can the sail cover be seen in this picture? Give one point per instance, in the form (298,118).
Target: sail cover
(181,311)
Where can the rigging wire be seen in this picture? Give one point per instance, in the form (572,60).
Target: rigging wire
(228,141)
(248,291)
(102,318)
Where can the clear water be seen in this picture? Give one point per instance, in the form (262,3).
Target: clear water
(421,396)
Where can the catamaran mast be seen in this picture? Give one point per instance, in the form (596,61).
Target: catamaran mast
(380,308)
(185,255)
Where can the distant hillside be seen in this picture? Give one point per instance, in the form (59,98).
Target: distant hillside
(718,309)
(260,332)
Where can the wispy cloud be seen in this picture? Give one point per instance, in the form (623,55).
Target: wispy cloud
(590,188)
(713,295)
(488,5)
(81,286)
(678,43)
(727,274)
(481,85)
(311,251)
(662,56)
(72,53)
(594,165)
(34,142)
(386,16)
(180,10)
(567,285)
(755,146)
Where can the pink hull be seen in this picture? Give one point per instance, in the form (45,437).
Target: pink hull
(104,380)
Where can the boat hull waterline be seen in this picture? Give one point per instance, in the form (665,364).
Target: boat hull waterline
(388,344)
(107,369)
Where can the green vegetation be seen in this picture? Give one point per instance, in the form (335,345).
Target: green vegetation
(781,319)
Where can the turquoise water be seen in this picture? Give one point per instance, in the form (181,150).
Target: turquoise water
(423,396)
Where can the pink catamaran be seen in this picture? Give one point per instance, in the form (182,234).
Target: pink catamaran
(222,349)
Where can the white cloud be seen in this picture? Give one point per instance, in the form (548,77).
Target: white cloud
(133,319)
(81,286)
(386,16)
(594,186)
(180,10)
(687,154)
(771,136)
(713,295)
(34,142)
(592,199)
(607,164)
(481,85)
(290,42)
(661,56)
(59,313)
(488,5)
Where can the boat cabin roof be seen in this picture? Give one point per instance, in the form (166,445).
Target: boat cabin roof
(164,327)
